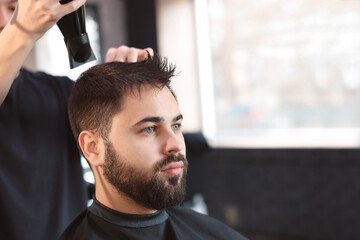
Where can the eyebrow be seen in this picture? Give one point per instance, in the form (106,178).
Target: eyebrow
(157,120)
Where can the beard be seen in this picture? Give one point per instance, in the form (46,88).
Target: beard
(150,189)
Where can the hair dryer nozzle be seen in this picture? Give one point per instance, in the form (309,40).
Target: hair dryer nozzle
(79,50)
(72,26)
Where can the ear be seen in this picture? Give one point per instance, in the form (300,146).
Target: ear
(92,147)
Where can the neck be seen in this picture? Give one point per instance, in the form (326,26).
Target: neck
(106,194)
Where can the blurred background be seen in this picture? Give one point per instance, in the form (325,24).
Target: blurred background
(270,93)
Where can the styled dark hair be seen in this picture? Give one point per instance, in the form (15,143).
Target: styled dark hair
(98,93)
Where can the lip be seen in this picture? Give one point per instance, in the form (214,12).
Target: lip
(174,168)
(173,165)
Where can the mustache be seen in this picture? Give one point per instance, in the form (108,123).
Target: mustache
(169,159)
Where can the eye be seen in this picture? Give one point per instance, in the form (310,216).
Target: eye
(176,126)
(149,130)
(12,7)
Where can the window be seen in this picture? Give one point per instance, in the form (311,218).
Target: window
(280,73)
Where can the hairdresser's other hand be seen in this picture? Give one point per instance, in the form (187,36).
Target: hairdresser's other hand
(127,54)
(35,17)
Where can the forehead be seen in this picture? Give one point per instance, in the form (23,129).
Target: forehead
(147,102)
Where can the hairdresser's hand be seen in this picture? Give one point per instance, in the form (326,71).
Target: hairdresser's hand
(127,54)
(30,20)
(35,17)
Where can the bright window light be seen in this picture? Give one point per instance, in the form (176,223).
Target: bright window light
(279,73)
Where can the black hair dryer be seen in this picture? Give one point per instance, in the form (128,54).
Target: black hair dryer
(72,27)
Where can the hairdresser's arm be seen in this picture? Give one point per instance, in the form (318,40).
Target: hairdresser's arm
(31,19)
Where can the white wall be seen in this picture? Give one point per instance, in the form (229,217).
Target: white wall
(176,40)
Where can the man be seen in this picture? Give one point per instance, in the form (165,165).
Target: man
(41,183)
(128,125)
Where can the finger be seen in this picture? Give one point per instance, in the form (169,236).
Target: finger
(121,53)
(143,53)
(71,6)
(150,50)
(116,54)
(132,55)
(110,55)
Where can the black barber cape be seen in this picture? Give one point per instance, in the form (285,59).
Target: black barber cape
(41,183)
(101,222)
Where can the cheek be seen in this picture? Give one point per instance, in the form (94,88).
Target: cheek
(147,155)
(141,153)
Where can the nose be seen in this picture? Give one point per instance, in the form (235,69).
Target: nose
(174,142)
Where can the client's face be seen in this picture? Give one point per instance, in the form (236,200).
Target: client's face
(145,151)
